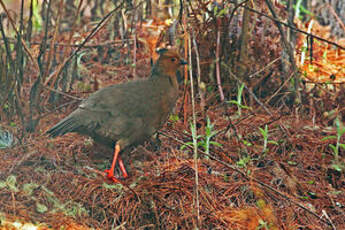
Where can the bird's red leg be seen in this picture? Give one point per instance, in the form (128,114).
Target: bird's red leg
(110,172)
(122,167)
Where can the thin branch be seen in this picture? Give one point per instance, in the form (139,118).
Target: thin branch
(219,84)
(91,34)
(185,69)
(62,93)
(98,45)
(264,68)
(292,27)
(201,88)
(287,45)
(336,16)
(195,156)
(280,88)
(56,29)
(18,35)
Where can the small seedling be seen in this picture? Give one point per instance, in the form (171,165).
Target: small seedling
(195,137)
(203,140)
(209,133)
(238,102)
(243,161)
(262,225)
(337,165)
(264,133)
(174,118)
(10,183)
(247,143)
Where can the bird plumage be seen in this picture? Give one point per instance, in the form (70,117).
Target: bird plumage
(129,113)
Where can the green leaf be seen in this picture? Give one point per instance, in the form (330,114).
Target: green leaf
(342,146)
(342,132)
(264,132)
(273,142)
(186,145)
(215,10)
(41,208)
(261,203)
(333,148)
(226,178)
(2,184)
(245,107)
(112,186)
(28,188)
(200,144)
(233,102)
(174,118)
(215,143)
(221,12)
(337,167)
(328,138)
(247,143)
(242,163)
(292,163)
(11,183)
(37,20)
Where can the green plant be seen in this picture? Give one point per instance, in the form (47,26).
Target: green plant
(37,19)
(264,133)
(337,165)
(238,102)
(209,133)
(10,183)
(243,161)
(262,225)
(299,8)
(203,140)
(174,118)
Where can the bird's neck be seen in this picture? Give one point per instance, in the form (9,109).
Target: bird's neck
(160,74)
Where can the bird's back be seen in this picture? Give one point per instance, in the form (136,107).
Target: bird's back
(130,112)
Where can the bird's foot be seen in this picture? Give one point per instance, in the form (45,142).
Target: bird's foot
(110,175)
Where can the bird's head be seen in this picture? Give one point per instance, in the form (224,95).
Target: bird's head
(169,61)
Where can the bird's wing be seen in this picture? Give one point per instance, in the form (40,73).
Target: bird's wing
(130,100)
(121,110)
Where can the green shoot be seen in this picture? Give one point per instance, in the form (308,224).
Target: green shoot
(243,162)
(337,165)
(209,133)
(238,102)
(203,141)
(264,133)
(37,19)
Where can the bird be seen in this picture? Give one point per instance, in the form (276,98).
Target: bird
(127,114)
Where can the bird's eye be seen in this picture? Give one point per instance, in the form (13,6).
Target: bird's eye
(173,59)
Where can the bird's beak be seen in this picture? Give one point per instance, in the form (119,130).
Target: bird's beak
(183,62)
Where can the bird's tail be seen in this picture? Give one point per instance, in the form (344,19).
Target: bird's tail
(67,125)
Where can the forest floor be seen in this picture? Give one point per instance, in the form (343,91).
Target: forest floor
(291,184)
